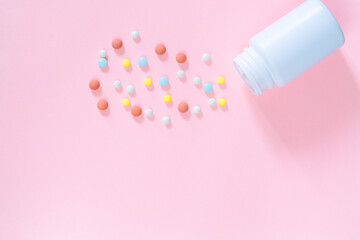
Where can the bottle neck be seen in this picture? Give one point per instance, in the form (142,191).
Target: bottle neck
(252,70)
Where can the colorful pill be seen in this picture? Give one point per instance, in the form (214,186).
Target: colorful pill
(102,62)
(222,102)
(117,43)
(207,87)
(126,62)
(102,53)
(212,101)
(142,61)
(197,109)
(125,102)
(148,81)
(102,104)
(160,49)
(149,112)
(220,80)
(166,120)
(197,80)
(181,57)
(136,111)
(183,107)
(163,81)
(181,74)
(206,57)
(135,34)
(94,84)
(117,84)
(130,88)
(167,98)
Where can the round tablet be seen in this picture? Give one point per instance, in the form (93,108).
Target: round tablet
(94,84)
(125,102)
(181,74)
(126,62)
(102,104)
(197,109)
(102,53)
(148,81)
(149,112)
(166,119)
(207,87)
(212,101)
(222,101)
(135,34)
(181,57)
(163,81)
(197,80)
(130,88)
(102,62)
(183,107)
(167,98)
(117,43)
(206,57)
(220,80)
(142,61)
(136,111)
(160,49)
(117,84)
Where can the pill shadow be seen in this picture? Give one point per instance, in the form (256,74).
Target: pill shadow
(105,69)
(133,93)
(182,79)
(127,108)
(169,125)
(163,57)
(119,89)
(214,107)
(208,63)
(223,86)
(105,113)
(137,40)
(151,118)
(139,119)
(144,68)
(186,115)
(128,69)
(311,110)
(150,87)
(97,92)
(184,66)
(209,94)
(199,115)
(169,104)
(120,51)
(166,87)
(224,108)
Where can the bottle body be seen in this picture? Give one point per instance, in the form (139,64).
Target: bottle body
(289,47)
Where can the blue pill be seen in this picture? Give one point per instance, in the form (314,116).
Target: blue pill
(102,62)
(149,112)
(135,34)
(197,80)
(197,109)
(181,74)
(207,87)
(164,81)
(142,61)
(212,101)
(206,57)
(166,119)
(130,88)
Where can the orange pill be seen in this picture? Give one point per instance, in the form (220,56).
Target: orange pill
(160,49)
(94,84)
(183,107)
(181,57)
(117,43)
(102,104)
(136,111)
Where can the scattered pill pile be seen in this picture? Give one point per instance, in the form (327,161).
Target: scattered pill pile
(160,49)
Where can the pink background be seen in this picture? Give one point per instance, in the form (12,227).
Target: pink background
(284,165)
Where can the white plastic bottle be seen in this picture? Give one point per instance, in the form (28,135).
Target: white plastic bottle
(289,47)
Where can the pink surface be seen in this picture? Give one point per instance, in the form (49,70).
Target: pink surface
(284,165)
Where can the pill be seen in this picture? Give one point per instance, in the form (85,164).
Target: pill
(160,49)
(125,102)
(148,81)
(102,53)
(207,87)
(136,111)
(222,101)
(149,112)
(206,57)
(167,98)
(220,80)
(126,62)
(102,104)
(163,81)
(183,107)
(102,62)
(181,57)
(94,84)
(166,119)
(212,101)
(117,84)
(142,61)
(181,74)
(117,43)
(135,34)
(197,109)
(197,80)
(130,88)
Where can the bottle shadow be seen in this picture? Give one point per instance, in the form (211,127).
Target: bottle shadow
(311,110)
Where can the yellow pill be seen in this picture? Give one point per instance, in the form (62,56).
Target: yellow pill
(148,81)
(167,98)
(222,101)
(220,80)
(126,102)
(126,62)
